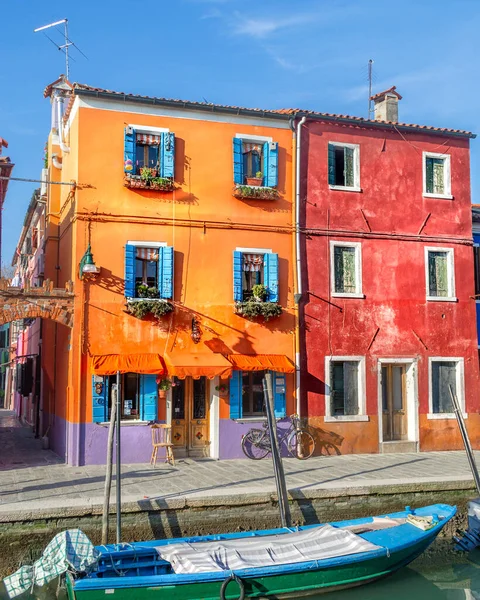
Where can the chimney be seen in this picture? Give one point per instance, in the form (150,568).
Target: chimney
(386,105)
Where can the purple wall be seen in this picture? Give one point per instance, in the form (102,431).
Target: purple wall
(231,434)
(57,434)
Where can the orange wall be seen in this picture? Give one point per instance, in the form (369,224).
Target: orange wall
(202,220)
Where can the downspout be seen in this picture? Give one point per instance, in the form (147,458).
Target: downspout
(63,147)
(298,288)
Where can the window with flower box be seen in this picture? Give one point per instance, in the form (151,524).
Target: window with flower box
(255,167)
(149,158)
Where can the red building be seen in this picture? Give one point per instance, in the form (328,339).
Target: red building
(388,282)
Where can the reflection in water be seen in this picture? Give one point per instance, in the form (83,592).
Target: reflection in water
(438,575)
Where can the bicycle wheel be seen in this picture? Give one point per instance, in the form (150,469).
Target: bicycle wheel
(301,444)
(256,444)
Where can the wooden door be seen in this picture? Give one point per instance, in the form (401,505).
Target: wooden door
(395,425)
(198,418)
(190,431)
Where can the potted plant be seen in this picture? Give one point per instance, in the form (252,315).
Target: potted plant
(163,386)
(143,291)
(222,389)
(260,292)
(257,180)
(147,174)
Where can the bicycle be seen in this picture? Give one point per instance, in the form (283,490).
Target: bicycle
(256,443)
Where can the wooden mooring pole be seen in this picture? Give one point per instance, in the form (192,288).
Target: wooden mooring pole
(108,473)
(283,505)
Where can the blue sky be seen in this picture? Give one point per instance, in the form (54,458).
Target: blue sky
(310,54)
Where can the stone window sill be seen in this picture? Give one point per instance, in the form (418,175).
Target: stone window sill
(346,419)
(440,416)
(131,423)
(345,188)
(438,196)
(441,299)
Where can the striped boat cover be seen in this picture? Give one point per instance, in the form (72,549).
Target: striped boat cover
(267,551)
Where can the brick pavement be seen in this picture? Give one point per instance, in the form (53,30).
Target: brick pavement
(32,479)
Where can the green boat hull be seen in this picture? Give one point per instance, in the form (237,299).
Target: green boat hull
(283,585)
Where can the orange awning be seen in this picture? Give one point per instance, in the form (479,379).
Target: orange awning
(262,362)
(109,364)
(183,364)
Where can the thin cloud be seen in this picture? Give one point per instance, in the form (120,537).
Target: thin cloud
(262,27)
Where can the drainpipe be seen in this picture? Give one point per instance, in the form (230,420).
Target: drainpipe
(298,263)
(55,162)
(63,147)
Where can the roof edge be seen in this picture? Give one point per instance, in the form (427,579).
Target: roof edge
(268,114)
(211,108)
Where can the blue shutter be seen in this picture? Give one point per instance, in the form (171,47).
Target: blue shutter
(279,395)
(100,401)
(237,276)
(167,161)
(270,276)
(148,397)
(270,164)
(130,255)
(236,405)
(238,161)
(165,272)
(129,151)
(331,164)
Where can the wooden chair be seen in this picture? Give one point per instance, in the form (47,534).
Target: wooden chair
(162,438)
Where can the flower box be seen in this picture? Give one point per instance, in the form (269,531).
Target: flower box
(141,307)
(159,184)
(252,309)
(249,192)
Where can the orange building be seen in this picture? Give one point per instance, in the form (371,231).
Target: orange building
(178,237)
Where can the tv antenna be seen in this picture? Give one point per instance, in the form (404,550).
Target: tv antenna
(62,47)
(370,77)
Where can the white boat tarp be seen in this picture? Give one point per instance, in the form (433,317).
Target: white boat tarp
(318,543)
(69,550)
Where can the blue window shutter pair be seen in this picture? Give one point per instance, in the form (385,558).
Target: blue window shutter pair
(237,276)
(130,255)
(100,401)
(236,406)
(148,397)
(270,164)
(238,161)
(270,276)
(167,160)
(165,272)
(279,395)
(129,150)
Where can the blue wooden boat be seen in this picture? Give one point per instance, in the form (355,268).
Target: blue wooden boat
(206,567)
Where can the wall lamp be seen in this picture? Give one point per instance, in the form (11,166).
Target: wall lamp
(196,334)
(87,265)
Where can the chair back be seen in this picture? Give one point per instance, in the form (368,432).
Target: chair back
(161,434)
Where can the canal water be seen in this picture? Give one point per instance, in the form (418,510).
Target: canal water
(439,574)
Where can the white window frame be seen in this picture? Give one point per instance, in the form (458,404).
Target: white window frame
(358,270)
(248,137)
(147,129)
(446,175)
(356,167)
(147,244)
(450,274)
(362,401)
(460,384)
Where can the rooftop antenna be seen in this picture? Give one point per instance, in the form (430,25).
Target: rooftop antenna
(370,76)
(63,47)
